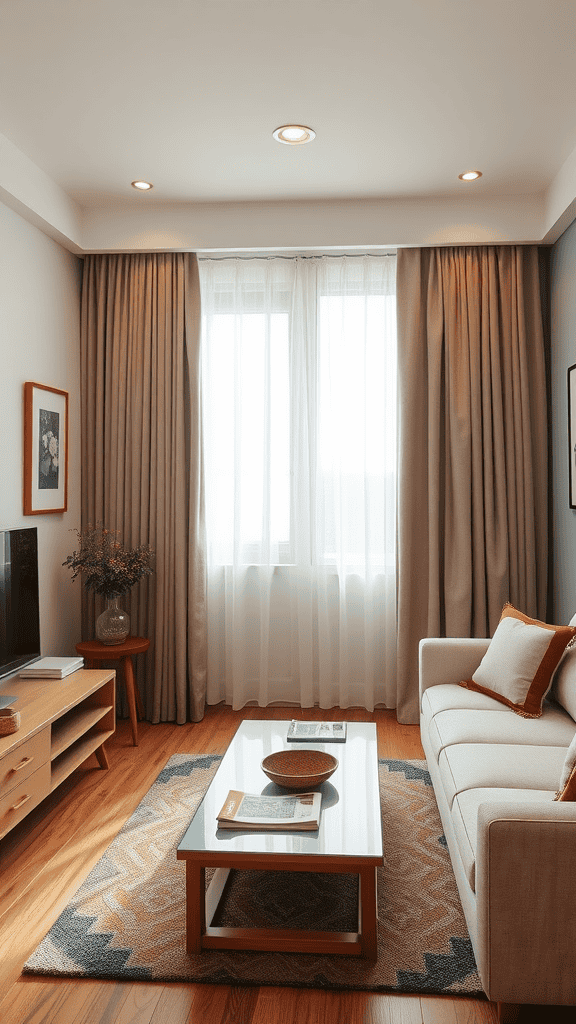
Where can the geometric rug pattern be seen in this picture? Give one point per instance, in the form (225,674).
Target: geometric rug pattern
(127,920)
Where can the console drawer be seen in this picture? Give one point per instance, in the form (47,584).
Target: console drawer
(16,804)
(24,760)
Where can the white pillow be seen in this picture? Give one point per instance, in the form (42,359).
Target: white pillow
(518,666)
(511,661)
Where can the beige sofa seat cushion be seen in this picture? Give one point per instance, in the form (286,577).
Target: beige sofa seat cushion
(465,818)
(553,729)
(450,696)
(499,766)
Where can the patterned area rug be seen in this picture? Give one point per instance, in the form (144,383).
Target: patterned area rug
(127,920)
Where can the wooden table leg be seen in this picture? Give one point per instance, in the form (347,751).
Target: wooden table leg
(367,913)
(131,695)
(195,906)
(215,891)
(138,701)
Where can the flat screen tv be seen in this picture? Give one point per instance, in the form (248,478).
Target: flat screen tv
(19,599)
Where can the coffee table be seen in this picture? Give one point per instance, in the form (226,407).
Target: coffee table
(349,841)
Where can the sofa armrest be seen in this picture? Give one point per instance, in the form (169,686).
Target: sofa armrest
(526,901)
(449,659)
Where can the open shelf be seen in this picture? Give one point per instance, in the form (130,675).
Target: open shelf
(75,754)
(73,725)
(63,722)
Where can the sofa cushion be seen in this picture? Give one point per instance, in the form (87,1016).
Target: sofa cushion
(447,696)
(554,729)
(567,789)
(465,818)
(518,666)
(499,766)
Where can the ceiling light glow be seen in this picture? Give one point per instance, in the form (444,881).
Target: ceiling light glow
(470,175)
(294,134)
(144,186)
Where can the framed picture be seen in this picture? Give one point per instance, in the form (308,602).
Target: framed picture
(572,435)
(45,449)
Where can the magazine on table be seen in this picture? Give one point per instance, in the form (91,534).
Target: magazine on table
(316,732)
(293,812)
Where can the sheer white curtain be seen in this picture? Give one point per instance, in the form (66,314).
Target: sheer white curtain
(299,397)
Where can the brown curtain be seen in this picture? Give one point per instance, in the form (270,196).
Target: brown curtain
(142,463)
(472,509)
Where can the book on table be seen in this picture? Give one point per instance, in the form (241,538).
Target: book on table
(293,812)
(52,668)
(316,732)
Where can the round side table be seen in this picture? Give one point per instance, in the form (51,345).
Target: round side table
(93,651)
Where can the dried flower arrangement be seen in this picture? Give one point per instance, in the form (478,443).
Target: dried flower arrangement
(106,566)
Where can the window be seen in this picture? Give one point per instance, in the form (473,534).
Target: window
(300,410)
(246,388)
(299,396)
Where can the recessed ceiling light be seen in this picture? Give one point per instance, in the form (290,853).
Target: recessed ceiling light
(294,134)
(144,186)
(470,175)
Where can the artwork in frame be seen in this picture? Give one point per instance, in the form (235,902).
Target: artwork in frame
(572,435)
(45,449)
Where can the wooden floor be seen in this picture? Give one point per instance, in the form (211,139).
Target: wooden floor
(46,857)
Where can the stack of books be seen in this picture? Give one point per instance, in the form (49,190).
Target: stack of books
(52,668)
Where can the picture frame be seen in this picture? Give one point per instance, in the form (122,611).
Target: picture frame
(45,449)
(572,435)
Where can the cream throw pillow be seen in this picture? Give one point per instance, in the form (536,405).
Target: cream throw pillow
(567,789)
(518,666)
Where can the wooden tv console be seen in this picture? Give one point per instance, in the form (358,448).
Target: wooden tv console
(63,721)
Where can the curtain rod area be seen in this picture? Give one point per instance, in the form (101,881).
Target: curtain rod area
(295,256)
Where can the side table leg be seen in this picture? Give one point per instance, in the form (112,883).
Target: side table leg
(195,906)
(139,702)
(130,693)
(368,926)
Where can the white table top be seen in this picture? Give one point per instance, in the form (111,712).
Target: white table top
(350,822)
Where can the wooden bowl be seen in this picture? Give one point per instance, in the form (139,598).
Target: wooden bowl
(299,769)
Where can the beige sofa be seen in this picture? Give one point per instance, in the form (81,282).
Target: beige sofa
(512,846)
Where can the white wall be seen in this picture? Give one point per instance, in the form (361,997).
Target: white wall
(39,341)
(143,225)
(563,322)
(28,190)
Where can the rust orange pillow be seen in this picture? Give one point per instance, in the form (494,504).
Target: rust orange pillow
(518,666)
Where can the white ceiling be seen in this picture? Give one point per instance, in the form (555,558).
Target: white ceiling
(186,94)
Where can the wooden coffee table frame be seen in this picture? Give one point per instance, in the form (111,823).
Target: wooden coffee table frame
(202,905)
